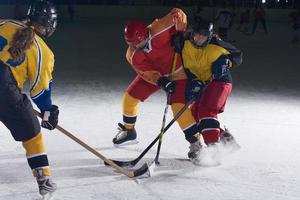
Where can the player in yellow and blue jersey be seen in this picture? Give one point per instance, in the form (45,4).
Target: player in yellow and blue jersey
(25,56)
(207,61)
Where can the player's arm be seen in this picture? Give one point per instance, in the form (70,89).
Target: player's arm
(42,98)
(235,55)
(220,67)
(179,19)
(142,66)
(41,88)
(176,19)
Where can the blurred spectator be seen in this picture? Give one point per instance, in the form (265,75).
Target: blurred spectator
(244,21)
(224,19)
(295,16)
(259,16)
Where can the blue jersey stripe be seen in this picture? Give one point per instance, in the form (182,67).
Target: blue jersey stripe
(38,95)
(39,65)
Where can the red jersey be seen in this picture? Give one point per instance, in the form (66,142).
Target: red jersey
(156,59)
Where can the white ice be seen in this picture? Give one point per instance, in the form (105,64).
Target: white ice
(262,113)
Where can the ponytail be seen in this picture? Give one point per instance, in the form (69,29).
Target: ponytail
(22,40)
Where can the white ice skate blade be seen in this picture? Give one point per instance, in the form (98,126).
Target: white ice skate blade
(128,143)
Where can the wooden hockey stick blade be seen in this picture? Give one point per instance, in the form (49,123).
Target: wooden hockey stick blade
(127,164)
(130,173)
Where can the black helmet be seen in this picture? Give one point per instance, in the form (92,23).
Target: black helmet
(201,27)
(44,13)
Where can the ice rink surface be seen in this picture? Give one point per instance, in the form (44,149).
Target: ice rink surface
(90,78)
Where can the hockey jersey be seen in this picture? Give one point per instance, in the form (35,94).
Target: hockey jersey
(36,66)
(199,61)
(156,59)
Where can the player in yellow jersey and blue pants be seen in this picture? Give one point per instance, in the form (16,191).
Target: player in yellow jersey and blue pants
(25,56)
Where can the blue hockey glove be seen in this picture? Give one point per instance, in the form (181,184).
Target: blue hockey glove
(193,89)
(50,118)
(220,67)
(166,84)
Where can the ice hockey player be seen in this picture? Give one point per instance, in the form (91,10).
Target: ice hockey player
(152,57)
(25,56)
(224,20)
(207,61)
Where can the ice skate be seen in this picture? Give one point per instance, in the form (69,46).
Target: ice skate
(228,141)
(194,153)
(46,186)
(125,136)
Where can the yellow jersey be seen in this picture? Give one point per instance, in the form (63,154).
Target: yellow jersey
(200,60)
(36,66)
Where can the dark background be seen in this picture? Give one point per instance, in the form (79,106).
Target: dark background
(89,47)
(233,3)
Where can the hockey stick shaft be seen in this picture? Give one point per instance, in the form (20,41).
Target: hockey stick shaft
(162,130)
(126,172)
(135,161)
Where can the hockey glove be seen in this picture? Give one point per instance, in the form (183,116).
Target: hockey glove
(50,118)
(166,84)
(220,67)
(193,89)
(177,42)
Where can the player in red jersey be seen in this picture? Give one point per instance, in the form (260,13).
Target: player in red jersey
(152,56)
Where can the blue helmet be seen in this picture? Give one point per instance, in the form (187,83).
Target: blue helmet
(44,13)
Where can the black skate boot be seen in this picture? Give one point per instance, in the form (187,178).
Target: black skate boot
(125,136)
(227,139)
(46,186)
(194,153)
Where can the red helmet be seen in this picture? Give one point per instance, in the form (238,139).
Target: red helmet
(135,32)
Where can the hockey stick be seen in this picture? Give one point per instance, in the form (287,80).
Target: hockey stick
(162,131)
(132,163)
(130,173)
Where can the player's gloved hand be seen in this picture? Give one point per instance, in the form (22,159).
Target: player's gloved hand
(177,42)
(193,89)
(50,118)
(220,67)
(166,84)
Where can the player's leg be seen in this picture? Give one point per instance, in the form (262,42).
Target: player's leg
(212,103)
(138,91)
(186,121)
(17,115)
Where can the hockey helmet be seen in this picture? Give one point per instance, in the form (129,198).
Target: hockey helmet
(201,27)
(135,32)
(44,13)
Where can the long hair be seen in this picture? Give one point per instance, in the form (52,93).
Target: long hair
(21,41)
